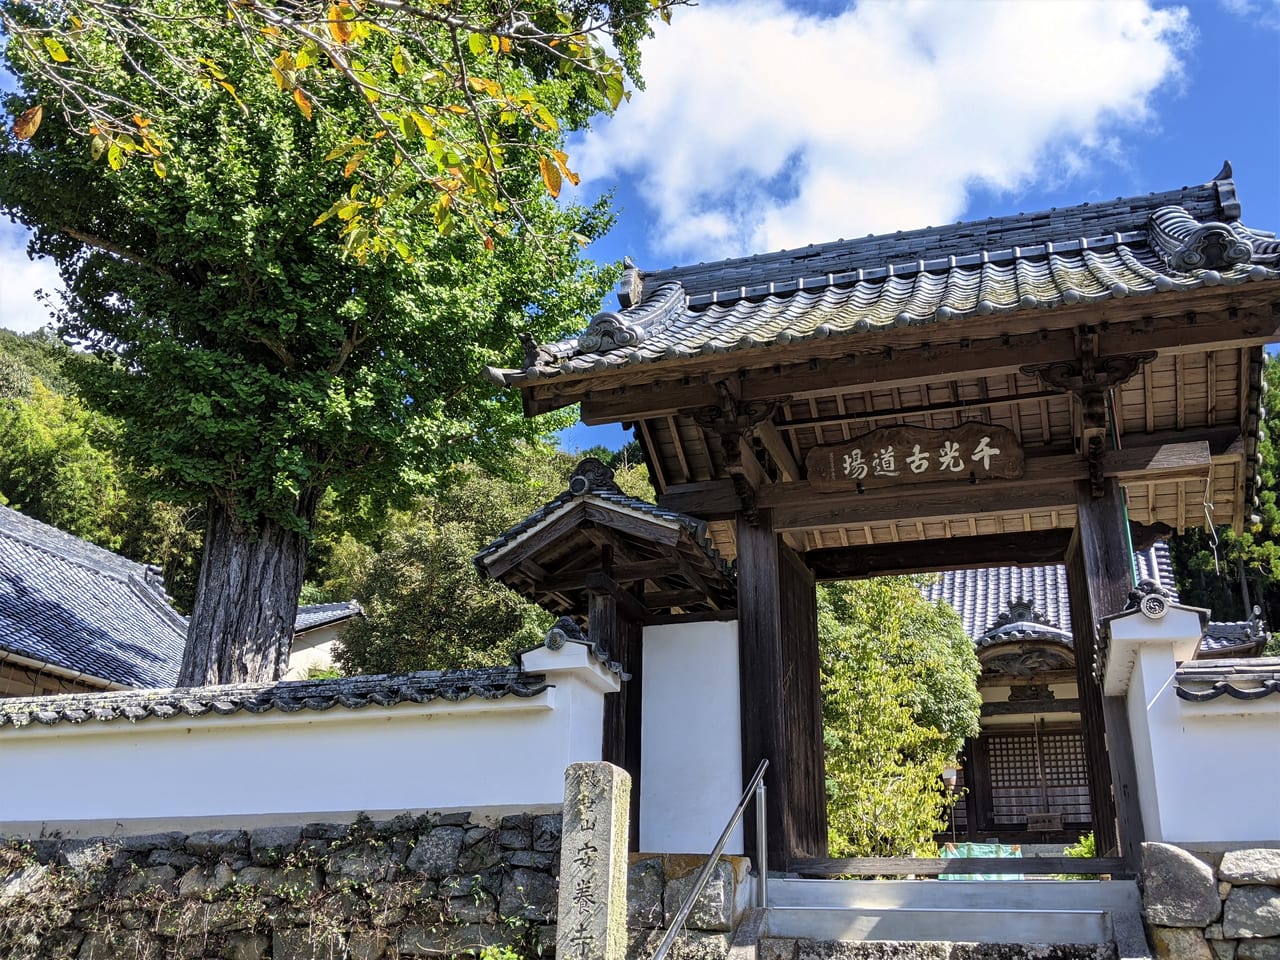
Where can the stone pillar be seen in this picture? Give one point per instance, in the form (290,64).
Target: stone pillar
(592,920)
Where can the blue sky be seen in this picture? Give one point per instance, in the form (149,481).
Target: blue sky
(767,125)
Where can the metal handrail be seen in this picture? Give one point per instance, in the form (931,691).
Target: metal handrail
(754,786)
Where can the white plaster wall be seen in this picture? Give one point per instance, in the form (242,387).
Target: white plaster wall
(1206,771)
(691,753)
(470,755)
(313,648)
(1146,708)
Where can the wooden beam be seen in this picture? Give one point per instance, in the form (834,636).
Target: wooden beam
(708,499)
(778,449)
(609,625)
(961,500)
(1101,554)
(1164,453)
(761,666)
(1031,548)
(1015,708)
(1189,461)
(622,573)
(1034,548)
(602,585)
(909,356)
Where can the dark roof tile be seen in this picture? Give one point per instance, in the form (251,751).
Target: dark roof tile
(1137,246)
(350,693)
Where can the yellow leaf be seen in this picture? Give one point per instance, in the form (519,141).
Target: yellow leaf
(56,50)
(303,103)
(550,175)
(115,157)
(338,205)
(340,150)
(400,61)
(140,121)
(159,167)
(504,44)
(354,163)
(97,146)
(25,127)
(339,26)
(307,56)
(424,125)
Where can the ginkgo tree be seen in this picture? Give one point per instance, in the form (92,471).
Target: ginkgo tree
(176,175)
(453,94)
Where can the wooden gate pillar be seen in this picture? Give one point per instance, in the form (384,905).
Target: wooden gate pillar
(610,627)
(781,693)
(1099,579)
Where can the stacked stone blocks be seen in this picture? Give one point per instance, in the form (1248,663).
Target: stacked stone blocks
(1202,905)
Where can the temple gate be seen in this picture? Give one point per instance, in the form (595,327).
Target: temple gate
(1026,389)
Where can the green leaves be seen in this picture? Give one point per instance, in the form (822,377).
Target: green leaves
(899,697)
(472,107)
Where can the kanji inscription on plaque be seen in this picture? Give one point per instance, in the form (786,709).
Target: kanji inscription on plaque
(901,455)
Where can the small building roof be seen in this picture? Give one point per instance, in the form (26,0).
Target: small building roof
(290,696)
(551,555)
(1000,605)
(317,615)
(78,608)
(68,604)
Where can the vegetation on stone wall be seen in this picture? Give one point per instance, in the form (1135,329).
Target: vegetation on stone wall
(425,886)
(899,687)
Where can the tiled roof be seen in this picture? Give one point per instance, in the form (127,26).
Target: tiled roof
(350,693)
(1241,637)
(1130,247)
(984,598)
(84,609)
(1201,680)
(589,484)
(318,615)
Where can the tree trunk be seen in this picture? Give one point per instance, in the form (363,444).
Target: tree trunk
(246,599)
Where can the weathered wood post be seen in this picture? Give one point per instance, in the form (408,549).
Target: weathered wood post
(592,920)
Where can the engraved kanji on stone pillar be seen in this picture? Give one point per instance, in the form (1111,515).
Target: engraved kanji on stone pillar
(592,920)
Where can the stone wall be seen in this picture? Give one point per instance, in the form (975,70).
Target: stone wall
(409,887)
(427,886)
(1212,904)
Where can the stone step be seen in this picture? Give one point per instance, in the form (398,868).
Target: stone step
(1113,896)
(777,948)
(964,925)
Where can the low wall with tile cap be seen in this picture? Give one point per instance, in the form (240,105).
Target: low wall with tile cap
(295,752)
(1212,901)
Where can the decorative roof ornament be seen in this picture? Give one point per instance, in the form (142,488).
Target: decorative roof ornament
(608,331)
(1150,598)
(1021,610)
(591,475)
(566,630)
(630,285)
(1187,244)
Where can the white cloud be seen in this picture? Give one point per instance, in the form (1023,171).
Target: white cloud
(20,277)
(764,127)
(1265,13)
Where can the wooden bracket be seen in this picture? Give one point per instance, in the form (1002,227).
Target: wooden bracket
(734,422)
(1089,378)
